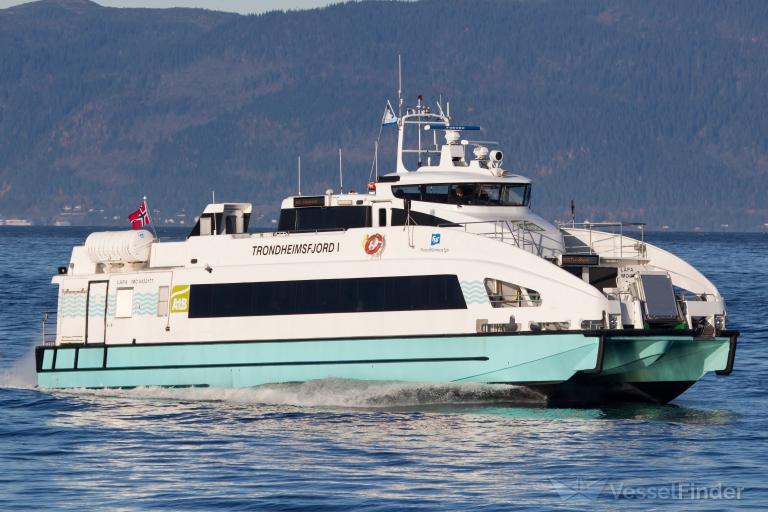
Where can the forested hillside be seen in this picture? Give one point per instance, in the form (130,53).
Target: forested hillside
(639,110)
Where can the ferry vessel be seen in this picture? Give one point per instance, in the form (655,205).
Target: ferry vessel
(440,273)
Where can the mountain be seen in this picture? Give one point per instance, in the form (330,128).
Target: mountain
(639,110)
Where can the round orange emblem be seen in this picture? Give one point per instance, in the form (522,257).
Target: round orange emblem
(373,244)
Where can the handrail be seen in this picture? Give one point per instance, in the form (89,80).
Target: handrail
(285,232)
(604,238)
(49,338)
(515,233)
(499,300)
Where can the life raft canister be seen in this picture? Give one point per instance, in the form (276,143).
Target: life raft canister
(373,244)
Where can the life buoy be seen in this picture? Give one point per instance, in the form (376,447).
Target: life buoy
(373,244)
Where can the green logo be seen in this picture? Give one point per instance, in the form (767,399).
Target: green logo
(180,298)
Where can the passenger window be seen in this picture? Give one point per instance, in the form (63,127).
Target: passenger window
(382,217)
(124,303)
(163,296)
(507,295)
(206,225)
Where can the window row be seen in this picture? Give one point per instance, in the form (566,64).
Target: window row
(319,218)
(476,194)
(353,295)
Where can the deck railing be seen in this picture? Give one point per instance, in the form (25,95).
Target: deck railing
(498,300)
(605,238)
(521,234)
(48,327)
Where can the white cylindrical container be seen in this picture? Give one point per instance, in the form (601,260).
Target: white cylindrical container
(119,246)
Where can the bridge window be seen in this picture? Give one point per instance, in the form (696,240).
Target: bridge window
(478,194)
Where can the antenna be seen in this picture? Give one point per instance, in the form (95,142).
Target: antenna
(399,86)
(420,111)
(213,200)
(440,105)
(299,172)
(341,174)
(573,212)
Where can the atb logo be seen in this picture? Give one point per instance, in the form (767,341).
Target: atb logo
(180,298)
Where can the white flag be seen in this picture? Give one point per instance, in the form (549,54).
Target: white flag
(389,116)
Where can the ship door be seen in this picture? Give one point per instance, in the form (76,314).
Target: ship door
(73,296)
(96,308)
(381,217)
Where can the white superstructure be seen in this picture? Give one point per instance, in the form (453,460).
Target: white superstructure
(452,215)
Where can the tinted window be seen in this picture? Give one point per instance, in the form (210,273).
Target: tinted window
(334,217)
(418,218)
(436,193)
(515,195)
(488,194)
(463,193)
(370,294)
(481,194)
(412,192)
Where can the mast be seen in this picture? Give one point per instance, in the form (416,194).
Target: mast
(213,200)
(299,172)
(399,86)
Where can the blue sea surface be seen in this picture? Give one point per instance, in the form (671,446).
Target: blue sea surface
(346,445)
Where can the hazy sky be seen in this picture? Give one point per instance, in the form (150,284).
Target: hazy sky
(241,6)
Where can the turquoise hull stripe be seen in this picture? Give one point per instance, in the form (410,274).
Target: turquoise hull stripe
(502,358)
(663,359)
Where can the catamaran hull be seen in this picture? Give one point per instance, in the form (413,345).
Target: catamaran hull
(567,367)
(646,367)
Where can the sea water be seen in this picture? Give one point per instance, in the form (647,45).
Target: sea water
(343,445)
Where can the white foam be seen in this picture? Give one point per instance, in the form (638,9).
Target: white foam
(341,393)
(22,373)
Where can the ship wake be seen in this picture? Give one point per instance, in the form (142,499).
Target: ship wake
(342,393)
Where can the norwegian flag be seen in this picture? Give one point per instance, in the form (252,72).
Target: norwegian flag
(140,217)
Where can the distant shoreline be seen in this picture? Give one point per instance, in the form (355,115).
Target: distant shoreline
(264,229)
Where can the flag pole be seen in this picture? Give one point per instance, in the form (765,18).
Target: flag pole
(151,224)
